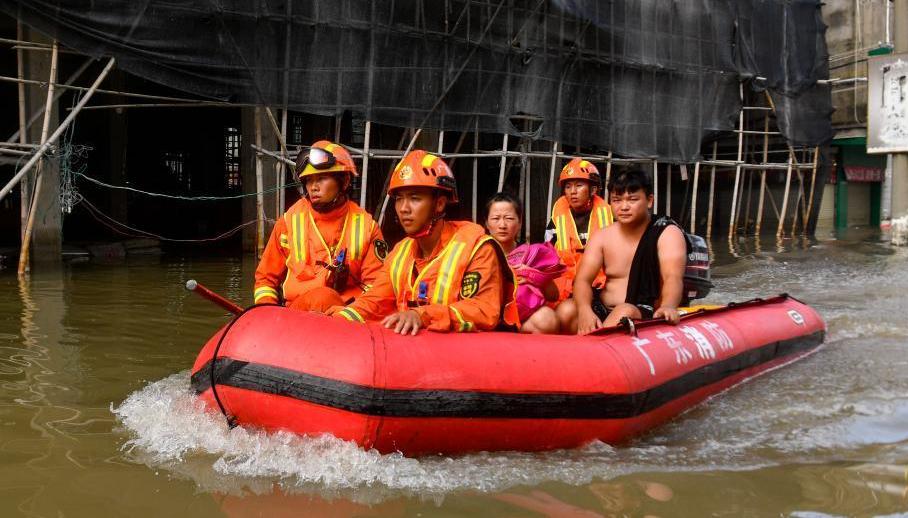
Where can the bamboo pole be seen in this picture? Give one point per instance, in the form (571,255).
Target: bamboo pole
(781,226)
(441,142)
(552,166)
(712,190)
(655,187)
(59,131)
(59,92)
(282,193)
(668,190)
(475,168)
(279,165)
(813,181)
(39,177)
(501,166)
(693,202)
(733,217)
(259,187)
(20,74)
(364,185)
(800,206)
(384,205)
(759,222)
(608,173)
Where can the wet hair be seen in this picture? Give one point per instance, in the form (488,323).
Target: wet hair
(505,197)
(630,180)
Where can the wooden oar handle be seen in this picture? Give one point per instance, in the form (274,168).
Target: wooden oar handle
(194,286)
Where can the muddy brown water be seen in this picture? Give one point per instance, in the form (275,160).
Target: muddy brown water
(96,418)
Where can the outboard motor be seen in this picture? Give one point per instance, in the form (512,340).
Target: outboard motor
(697,283)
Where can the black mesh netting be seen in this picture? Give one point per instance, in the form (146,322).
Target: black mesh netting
(638,77)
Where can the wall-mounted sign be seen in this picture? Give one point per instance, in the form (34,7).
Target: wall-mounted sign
(887,104)
(861,173)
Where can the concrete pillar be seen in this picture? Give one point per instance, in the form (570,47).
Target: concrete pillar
(47,234)
(247,171)
(900,160)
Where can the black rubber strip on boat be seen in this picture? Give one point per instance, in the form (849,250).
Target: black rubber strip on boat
(464,404)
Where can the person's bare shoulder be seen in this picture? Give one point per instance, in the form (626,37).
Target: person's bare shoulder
(672,241)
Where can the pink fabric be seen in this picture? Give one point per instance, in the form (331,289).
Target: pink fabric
(535,265)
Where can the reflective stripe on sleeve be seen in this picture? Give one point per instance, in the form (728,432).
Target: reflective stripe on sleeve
(264,292)
(465,325)
(351,315)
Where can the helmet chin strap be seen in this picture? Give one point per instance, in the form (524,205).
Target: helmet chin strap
(328,206)
(428,228)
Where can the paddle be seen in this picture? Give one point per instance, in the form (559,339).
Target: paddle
(193,286)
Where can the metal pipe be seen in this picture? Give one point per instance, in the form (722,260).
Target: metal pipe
(59,131)
(501,167)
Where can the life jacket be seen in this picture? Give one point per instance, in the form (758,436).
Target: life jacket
(568,244)
(308,254)
(441,280)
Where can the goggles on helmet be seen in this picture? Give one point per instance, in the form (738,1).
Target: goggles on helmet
(320,158)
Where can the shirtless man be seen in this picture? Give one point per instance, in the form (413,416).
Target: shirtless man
(651,290)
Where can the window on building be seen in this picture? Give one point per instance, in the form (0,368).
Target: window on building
(173,161)
(296,135)
(232,141)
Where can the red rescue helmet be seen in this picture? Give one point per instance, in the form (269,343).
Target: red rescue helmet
(423,169)
(579,169)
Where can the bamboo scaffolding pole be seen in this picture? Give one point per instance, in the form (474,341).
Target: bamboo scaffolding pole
(733,214)
(781,226)
(57,94)
(759,222)
(23,137)
(63,86)
(668,190)
(259,187)
(552,166)
(384,205)
(504,158)
(59,131)
(278,166)
(474,187)
(364,184)
(441,142)
(655,187)
(608,173)
(712,190)
(282,194)
(801,207)
(813,181)
(693,202)
(39,177)
(16,152)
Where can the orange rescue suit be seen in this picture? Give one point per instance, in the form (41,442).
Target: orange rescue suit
(568,244)
(464,285)
(302,244)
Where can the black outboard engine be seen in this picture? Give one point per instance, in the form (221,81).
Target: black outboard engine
(697,282)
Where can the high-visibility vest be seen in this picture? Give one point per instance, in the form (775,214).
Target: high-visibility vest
(443,276)
(567,242)
(308,253)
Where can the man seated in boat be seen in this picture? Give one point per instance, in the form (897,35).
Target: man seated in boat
(325,250)
(445,275)
(643,260)
(576,216)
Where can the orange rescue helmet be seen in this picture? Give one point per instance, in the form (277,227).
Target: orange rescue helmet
(325,157)
(579,169)
(423,169)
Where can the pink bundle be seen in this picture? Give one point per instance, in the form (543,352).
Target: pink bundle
(535,265)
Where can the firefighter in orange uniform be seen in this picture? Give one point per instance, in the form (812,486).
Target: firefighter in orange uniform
(325,250)
(445,275)
(579,207)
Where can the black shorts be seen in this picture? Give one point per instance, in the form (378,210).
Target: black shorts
(602,312)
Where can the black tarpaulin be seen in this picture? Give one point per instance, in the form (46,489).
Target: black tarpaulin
(642,78)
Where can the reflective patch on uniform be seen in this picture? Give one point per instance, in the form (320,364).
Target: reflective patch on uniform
(381,249)
(470,284)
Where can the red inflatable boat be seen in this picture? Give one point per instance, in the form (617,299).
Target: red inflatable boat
(282,369)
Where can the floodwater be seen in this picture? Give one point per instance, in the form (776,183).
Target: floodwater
(96,417)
